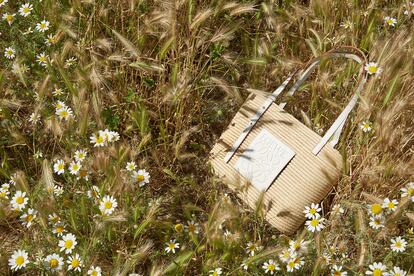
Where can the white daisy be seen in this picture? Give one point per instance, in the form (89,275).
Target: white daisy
(54,262)
(94,192)
(312,211)
(64,113)
(80,155)
(397,272)
(67,243)
(365,126)
(74,167)
(42,26)
(372,68)
(285,255)
(408,191)
(315,224)
(59,167)
(141,177)
(83,174)
(294,263)
(59,229)
(53,218)
(98,140)
(108,205)
(18,260)
(57,92)
(59,105)
(9,17)
(4,193)
(216,272)
(398,244)
(9,53)
(42,59)
(25,9)
(130,166)
(376,222)
(19,200)
(50,40)
(337,271)
(3,2)
(390,21)
(28,217)
(390,205)
(95,271)
(377,269)
(34,118)
(171,246)
(57,190)
(298,246)
(244,266)
(375,209)
(75,263)
(270,267)
(192,227)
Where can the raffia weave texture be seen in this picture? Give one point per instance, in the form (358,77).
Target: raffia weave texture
(306,179)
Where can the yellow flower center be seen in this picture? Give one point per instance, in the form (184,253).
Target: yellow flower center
(397,244)
(3,194)
(377,272)
(29,218)
(372,69)
(19,200)
(94,273)
(291,264)
(75,167)
(312,211)
(314,223)
(171,245)
(410,191)
(68,244)
(59,229)
(26,10)
(9,17)
(376,209)
(19,260)
(42,26)
(64,113)
(61,166)
(271,267)
(9,52)
(42,59)
(178,227)
(140,177)
(53,263)
(337,273)
(390,21)
(108,205)
(215,273)
(75,263)
(99,139)
(391,205)
(296,246)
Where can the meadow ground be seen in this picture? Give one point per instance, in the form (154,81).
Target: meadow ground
(109,108)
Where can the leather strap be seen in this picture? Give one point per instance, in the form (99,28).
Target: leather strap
(336,128)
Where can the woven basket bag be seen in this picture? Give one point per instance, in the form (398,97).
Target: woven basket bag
(266,154)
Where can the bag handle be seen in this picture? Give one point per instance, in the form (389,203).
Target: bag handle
(336,128)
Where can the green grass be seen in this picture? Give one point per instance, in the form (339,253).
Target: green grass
(169,76)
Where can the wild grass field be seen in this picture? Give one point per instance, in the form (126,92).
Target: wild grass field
(109,108)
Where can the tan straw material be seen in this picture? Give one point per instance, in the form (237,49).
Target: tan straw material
(307,178)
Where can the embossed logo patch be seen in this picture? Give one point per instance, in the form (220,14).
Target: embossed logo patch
(263,160)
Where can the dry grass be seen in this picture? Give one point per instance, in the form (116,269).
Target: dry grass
(169,76)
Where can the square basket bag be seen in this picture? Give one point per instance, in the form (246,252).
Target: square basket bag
(267,154)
